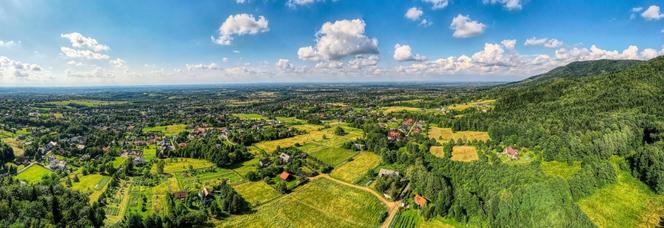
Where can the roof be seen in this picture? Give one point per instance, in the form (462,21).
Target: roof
(284,175)
(420,201)
(511,151)
(205,191)
(180,195)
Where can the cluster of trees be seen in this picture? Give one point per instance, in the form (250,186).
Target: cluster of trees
(6,153)
(42,205)
(248,135)
(212,148)
(648,165)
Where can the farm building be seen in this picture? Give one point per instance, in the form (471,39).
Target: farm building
(511,153)
(420,201)
(388,172)
(285,158)
(284,176)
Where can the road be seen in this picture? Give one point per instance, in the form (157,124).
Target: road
(392,207)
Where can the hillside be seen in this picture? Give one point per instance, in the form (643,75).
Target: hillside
(584,68)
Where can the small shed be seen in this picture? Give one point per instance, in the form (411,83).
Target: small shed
(284,176)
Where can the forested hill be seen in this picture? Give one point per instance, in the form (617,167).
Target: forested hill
(584,68)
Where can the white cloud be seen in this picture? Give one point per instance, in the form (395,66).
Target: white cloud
(464,27)
(9,43)
(437,4)
(79,41)
(413,14)
(284,65)
(82,54)
(652,13)
(425,23)
(509,44)
(296,3)
(17,69)
(361,61)
(340,39)
(118,63)
(508,4)
(649,53)
(404,53)
(240,25)
(545,42)
(193,67)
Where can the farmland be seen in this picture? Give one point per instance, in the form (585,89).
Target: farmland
(437,151)
(167,130)
(321,203)
(354,170)
(86,103)
(199,179)
(444,135)
(315,134)
(174,165)
(256,193)
(33,174)
(93,184)
(250,116)
(480,104)
(388,110)
(464,153)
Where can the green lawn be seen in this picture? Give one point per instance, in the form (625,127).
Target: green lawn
(321,203)
(33,174)
(256,193)
(247,166)
(290,120)
(561,169)
(250,116)
(119,161)
(356,169)
(174,165)
(196,182)
(330,155)
(167,130)
(93,184)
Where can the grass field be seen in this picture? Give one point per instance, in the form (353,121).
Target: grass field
(321,203)
(33,174)
(444,135)
(464,153)
(356,169)
(437,151)
(117,204)
(561,169)
(290,120)
(256,193)
(93,184)
(314,134)
(197,181)
(174,165)
(411,218)
(250,116)
(626,203)
(167,130)
(86,103)
(150,152)
(247,166)
(14,144)
(333,156)
(475,104)
(392,109)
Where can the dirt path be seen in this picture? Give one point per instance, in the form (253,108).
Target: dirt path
(392,207)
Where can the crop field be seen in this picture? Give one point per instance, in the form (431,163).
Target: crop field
(314,134)
(437,151)
(174,165)
(464,153)
(444,135)
(321,203)
(250,116)
(256,193)
(197,181)
(93,184)
(247,166)
(33,174)
(561,169)
(119,161)
(117,204)
(290,120)
(475,104)
(86,103)
(626,203)
(330,155)
(354,170)
(392,109)
(150,152)
(167,130)
(14,144)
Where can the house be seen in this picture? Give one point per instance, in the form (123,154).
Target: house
(284,176)
(206,195)
(408,122)
(420,201)
(394,134)
(388,172)
(139,161)
(285,158)
(55,164)
(180,195)
(511,153)
(264,162)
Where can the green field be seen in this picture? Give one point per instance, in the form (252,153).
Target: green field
(167,130)
(356,169)
(480,104)
(561,169)
(247,166)
(33,174)
(411,218)
(250,116)
(93,184)
(150,153)
(290,120)
(196,182)
(314,134)
(175,165)
(388,110)
(321,203)
(256,193)
(444,135)
(330,155)
(626,203)
(119,161)
(86,103)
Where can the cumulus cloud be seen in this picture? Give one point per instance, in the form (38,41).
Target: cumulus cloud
(82,54)
(508,4)
(404,53)
(413,14)
(118,63)
(9,43)
(464,27)
(545,42)
(649,53)
(340,39)
(652,13)
(509,44)
(437,4)
(193,67)
(240,25)
(361,61)
(79,41)
(284,65)
(14,68)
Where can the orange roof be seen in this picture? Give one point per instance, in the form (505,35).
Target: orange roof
(284,175)
(420,201)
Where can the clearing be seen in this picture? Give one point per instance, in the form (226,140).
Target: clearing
(33,174)
(250,116)
(356,169)
(437,151)
(464,153)
(256,193)
(167,130)
(482,105)
(175,165)
(561,169)
(444,135)
(94,184)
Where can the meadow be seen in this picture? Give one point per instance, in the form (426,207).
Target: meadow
(392,109)
(93,184)
(315,133)
(167,130)
(86,103)
(560,169)
(194,182)
(256,193)
(354,170)
(444,135)
(475,104)
(33,174)
(150,153)
(437,151)
(250,116)
(290,120)
(321,203)
(464,153)
(175,165)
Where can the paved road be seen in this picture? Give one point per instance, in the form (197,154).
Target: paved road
(392,207)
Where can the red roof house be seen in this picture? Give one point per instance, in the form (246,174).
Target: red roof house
(394,134)
(511,152)
(180,195)
(284,175)
(420,201)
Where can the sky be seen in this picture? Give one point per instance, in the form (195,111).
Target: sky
(124,42)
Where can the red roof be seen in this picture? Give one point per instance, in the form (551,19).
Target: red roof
(420,201)
(511,151)
(284,175)
(408,122)
(394,134)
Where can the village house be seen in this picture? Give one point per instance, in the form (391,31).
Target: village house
(394,134)
(139,160)
(205,195)
(420,201)
(264,162)
(285,158)
(388,172)
(511,153)
(55,164)
(284,176)
(180,195)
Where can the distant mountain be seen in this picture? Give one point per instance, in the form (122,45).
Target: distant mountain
(585,68)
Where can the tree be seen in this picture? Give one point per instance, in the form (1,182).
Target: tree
(340,131)
(160,166)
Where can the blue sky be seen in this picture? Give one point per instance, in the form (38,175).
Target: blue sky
(167,42)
